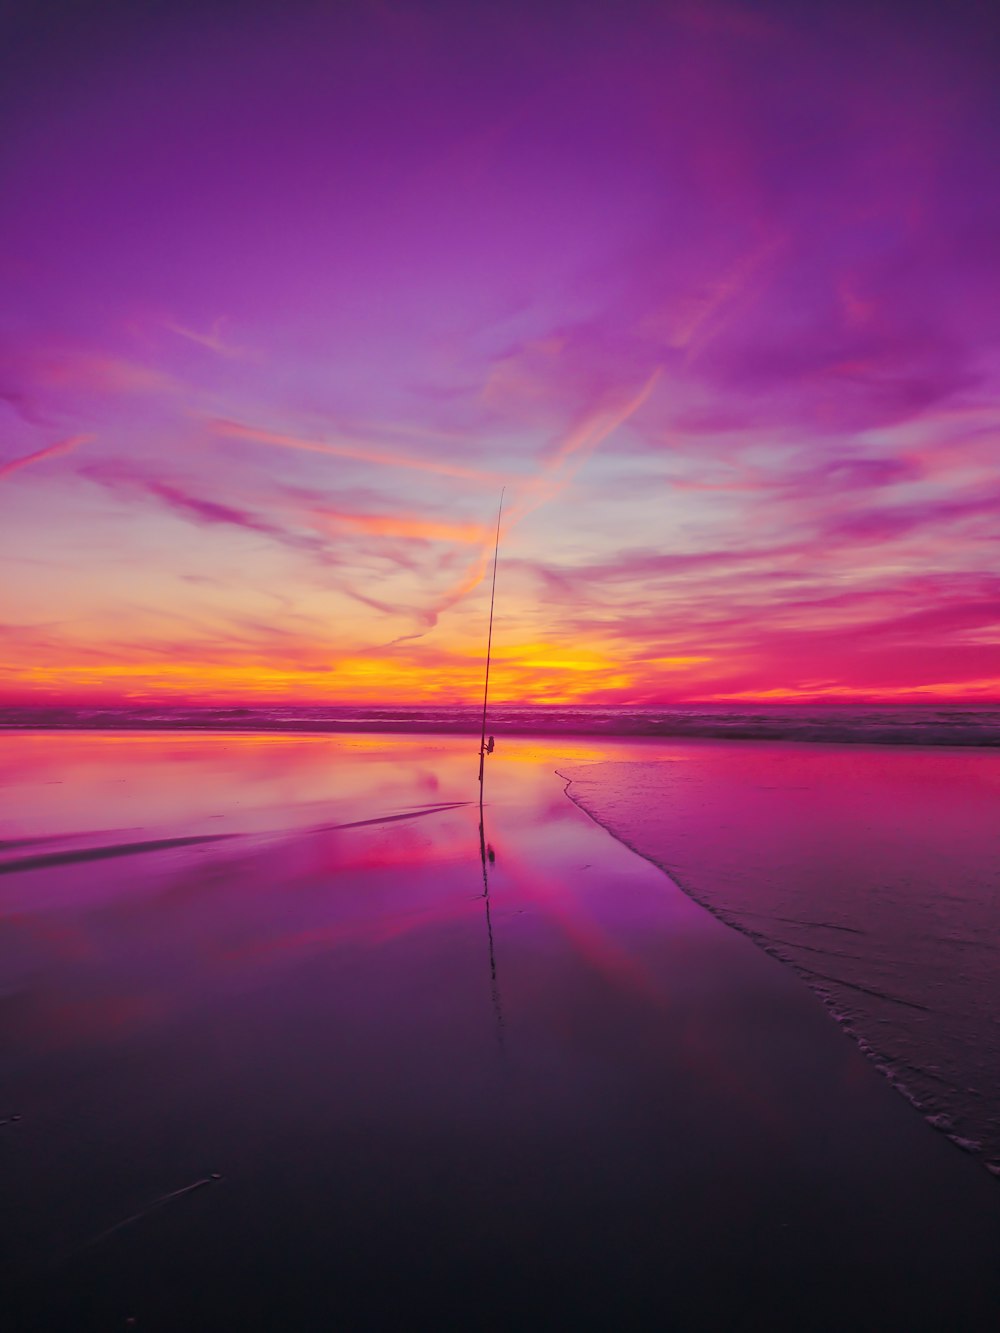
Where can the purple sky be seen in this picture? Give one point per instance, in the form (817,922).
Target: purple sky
(289,292)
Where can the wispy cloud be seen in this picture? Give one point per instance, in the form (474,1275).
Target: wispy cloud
(360,451)
(400,525)
(47,380)
(55,450)
(59,367)
(877,524)
(127,478)
(569,453)
(214,340)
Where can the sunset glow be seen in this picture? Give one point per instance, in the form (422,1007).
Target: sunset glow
(290,294)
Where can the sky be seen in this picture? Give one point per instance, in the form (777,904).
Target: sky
(290,292)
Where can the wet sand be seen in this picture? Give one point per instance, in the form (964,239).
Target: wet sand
(873,872)
(577,1101)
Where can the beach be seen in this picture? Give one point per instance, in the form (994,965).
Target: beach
(283,1051)
(873,872)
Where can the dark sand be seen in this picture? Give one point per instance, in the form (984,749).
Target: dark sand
(630,1117)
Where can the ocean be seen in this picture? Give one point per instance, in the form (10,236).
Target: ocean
(921,724)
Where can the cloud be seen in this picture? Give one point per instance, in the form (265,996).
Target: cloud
(213,340)
(127,478)
(48,379)
(50,451)
(350,449)
(401,525)
(22,405)
(569,453)
(846,472)
(92,371)
(879,524)
(643,566)
(208,512)
(205,511)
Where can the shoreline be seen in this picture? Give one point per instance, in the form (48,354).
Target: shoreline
(944,739)
(708,880)
(839,1019)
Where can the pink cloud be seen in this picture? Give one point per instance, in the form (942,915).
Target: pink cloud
(128,479)
(340,449)
(56,450)
(400,525)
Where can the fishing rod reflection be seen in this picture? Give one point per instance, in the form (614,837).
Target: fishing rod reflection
(488,858)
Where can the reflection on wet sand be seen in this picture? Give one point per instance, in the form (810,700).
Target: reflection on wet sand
(488,859)
(645,1101)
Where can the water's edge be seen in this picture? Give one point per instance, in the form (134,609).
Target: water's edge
(880,1061)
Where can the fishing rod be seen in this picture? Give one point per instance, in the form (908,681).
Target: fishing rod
(485,851)
(483,751)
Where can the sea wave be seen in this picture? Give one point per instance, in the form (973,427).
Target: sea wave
(842,724)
